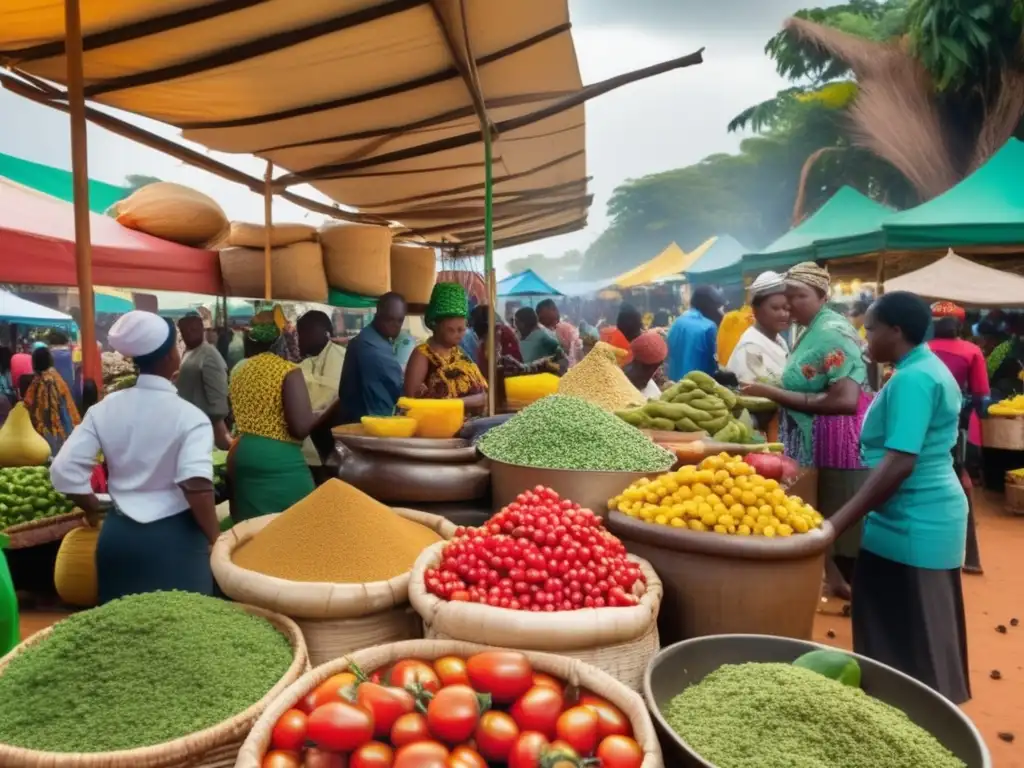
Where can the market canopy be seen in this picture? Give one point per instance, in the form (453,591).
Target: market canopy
(14,309)
(719,262)
(671,261)
(37,247)
(954,278)
(525,283)
(57,183)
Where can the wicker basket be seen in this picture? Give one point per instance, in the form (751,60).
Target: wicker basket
(335,619)
(573,671)
(413,271)
(1014,495)
(1003,432)
(215,747)
(357,258)
(243,235)
(621,641)
(297,272)
(74,572)
(44,531)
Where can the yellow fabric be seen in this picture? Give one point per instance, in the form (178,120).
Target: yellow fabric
(452,376)
(257,400)
(733,326)
(671,261)
(323,375)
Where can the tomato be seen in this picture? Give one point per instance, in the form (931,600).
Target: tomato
(495,735)
(385,704)
(578,728)
(610,720)
(331,689)
(281,759)
(409,728)
(453,713)
(373,754)
(538,710)
(318,758)
(339,726)
(541,678)
(528,750)
(451,670)
(289,732)
(619,752)
(563,754)
(506,675)
(413,672)
(466,757)
(422,754)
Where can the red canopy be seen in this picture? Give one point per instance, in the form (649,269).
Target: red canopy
(37,247)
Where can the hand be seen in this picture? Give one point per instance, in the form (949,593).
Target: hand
(755,389)
(828,530)
(92,518)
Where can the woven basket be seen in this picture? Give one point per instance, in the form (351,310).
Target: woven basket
(215,747)
(621,641)
(1003,432)
(1014,495)
(413,271)
(74,572)
(43,531)
(573,671)
(335,618)
(297,272)
(244,235)
(357,258)
(173,212)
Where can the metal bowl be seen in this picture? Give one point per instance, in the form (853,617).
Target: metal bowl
(687,663)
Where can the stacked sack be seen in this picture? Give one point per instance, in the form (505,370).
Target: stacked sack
(296,262)
(173,212)
(357,258)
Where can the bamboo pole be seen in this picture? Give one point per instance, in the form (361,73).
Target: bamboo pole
(80,182)
(492,299)
(268,223)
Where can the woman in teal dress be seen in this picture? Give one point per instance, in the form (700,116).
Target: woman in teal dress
(908,608)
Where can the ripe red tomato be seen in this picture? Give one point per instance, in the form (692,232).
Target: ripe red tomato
(538,710)
(289,731)
(610,720)
(410,728)
(619,752)
(386,704)
(466,757)
(281,759)
(331,689)
(453,714)
(495,735)
(506,675)
(339,726)
(528,750)
(413,672)
(422,754)
(451,670)
(542,678)
(578,728)
(318,758)
(373,754)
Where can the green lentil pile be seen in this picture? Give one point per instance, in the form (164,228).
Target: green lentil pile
(781,716)
(563,432)
(139,671)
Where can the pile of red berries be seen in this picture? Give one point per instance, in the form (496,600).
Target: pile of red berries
(540,553)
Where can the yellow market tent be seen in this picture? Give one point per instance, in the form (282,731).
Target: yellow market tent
(671,261)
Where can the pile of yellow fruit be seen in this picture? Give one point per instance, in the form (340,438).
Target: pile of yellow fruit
(1012,406)
(723,494)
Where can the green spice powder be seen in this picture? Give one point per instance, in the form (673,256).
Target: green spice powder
(781,716)
(139,671)
(564,432)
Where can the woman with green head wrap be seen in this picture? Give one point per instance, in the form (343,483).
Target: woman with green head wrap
(273,417)
(438,368)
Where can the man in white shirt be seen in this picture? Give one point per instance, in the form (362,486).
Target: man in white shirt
(158,450)
(321,368)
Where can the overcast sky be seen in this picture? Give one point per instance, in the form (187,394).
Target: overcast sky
(667,122)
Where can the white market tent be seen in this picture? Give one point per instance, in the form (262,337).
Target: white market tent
(954,278)
(14,309)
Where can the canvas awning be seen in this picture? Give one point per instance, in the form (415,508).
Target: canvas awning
(525,283)
(58,183)
(720,262)
(671,261)
(14,309)
(954,278)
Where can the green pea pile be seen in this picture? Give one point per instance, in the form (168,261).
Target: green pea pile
(782,716)
(139,671)
(564,432)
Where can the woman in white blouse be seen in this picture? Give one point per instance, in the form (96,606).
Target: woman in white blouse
(760,354)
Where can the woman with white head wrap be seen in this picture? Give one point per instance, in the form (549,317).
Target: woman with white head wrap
(158,450)
(761,352)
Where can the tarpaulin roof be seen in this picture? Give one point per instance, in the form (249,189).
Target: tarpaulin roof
(954,278)
(671,261)
(58,183)
(14,309)
(112,301)
(719,262)
(37,246)
(526,283)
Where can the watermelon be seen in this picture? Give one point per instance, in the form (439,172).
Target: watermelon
(835,665)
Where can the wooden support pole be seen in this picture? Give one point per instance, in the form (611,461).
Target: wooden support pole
(268,224)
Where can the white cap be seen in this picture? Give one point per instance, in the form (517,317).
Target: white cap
(138,333)
(767,282)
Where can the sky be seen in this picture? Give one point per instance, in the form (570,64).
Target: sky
(669,121)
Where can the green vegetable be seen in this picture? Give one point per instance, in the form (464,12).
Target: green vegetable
(139,671)
(834,665)
(26,494)
(783,716)
(563,432)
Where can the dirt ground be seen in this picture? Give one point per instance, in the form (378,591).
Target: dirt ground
(992,600)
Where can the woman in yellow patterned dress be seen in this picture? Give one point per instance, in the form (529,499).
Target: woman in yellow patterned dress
(273,416)
(49,402)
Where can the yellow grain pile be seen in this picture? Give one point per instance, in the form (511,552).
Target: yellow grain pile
(337,534)
(599,379)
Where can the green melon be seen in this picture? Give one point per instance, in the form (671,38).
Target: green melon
(835,665)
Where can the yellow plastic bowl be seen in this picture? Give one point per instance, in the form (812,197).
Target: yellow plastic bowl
(435,419)
(529,389)
(389,426)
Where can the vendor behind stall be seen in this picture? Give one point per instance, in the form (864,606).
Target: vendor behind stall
(157,448)
(371,376)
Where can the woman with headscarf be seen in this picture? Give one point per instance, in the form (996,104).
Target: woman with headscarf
(49,402)
(628,327)
(273,417)
(649,352)
(439,368)
(761,352)
(823,395)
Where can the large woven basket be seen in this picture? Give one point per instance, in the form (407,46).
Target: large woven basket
(1003,432)
(44,530)
(621,641)
(296,272)
(357,258)
(1014,491)
(244,235)
(413,271)
(573,671)
(215,747)
(335,619)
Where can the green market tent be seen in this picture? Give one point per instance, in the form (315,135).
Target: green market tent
(58,183)
(720,264)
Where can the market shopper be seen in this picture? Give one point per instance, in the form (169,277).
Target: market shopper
(761,352)
(321,367)
(551,318)
(908,609)
(203,377)
(628,326)
(157,448)
(371,376)
(49,402)
(823,395)
(693,338)
(8,389)
(649,352)
(535,341)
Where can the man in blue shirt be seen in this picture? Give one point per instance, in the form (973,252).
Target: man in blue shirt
(371,377)
(693,336)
